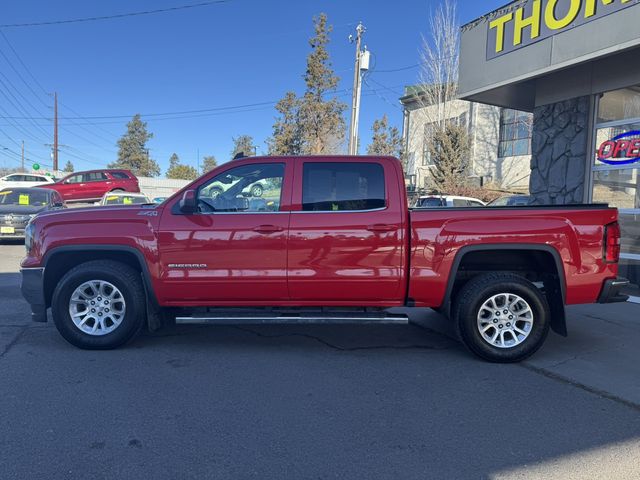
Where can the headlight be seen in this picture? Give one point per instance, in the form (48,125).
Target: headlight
(28,236)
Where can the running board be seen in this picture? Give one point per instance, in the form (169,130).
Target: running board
(301,319)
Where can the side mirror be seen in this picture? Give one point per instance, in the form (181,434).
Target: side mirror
(188,204)
(58,204)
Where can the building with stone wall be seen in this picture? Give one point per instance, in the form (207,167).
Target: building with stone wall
(574,65)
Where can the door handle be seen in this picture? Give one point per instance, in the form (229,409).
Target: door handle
(268,229)
(381,227)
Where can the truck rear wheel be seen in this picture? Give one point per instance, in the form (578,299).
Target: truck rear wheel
(99,305)
(501,317)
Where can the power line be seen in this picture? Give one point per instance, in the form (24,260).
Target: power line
(111,17)
(80,116)
(400,69)
(23,64)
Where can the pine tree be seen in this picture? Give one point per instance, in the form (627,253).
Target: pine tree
(68,167)
(243,144)
(132,150)
(287,132)
(449,149)
(386,140)
(177,170)
(209,163)
(311,124)
(321,120)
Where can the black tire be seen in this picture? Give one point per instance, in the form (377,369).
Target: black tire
(118,190)
(257,190)
(125,279)
(214,192)
(471,298)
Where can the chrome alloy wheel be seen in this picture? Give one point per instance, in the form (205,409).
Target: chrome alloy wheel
(505,320)
(97,307)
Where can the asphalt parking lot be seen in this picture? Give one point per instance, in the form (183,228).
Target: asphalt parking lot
(316,402)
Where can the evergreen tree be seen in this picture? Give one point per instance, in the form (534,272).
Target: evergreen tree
(132,150)
(209,163)
(386,140)
(321,120)
(311,124)
(177,170)
(449,149)
(243,144)
(287,131)
(68,167)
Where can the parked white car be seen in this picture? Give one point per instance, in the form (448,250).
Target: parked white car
(26,180)
(433,201)
(123,198)
(253,190)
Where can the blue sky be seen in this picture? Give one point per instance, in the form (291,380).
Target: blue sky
(243,52)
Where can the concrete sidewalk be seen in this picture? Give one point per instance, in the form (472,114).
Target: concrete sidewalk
(600,355)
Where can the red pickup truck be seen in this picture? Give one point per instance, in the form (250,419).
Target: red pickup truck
(330,239)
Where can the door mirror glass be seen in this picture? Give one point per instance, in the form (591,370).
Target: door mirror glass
(188,203)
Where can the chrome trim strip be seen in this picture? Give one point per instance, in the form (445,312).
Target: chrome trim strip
(630,256)
(240,213)
(341,211)
(289,319)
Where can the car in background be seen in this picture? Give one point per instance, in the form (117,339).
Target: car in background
(159,200)
(124,198)
(15,180)
(435,201)
(255,189)
(90,186)
(510,201)
(19,205)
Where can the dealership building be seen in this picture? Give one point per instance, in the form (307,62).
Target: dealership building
(575,64)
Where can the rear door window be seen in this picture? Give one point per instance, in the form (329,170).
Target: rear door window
(95,177)
(331,187)
(459,202)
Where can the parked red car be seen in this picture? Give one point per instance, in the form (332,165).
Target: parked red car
(93,184)
(330,239)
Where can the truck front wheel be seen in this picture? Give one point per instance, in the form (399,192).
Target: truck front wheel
(501,317)
(99,305)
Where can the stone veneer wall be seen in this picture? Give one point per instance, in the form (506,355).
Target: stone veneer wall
(559,147)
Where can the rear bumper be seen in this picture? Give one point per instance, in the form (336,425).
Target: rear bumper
(33,291)
(611,291)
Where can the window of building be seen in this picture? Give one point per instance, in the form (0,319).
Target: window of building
(515,133)
(328,186)
(615,171)
(426,154)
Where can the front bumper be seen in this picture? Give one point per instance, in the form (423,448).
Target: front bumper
(18,233)
(33,291)
(611,291)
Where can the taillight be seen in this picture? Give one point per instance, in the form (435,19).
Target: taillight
(612,243)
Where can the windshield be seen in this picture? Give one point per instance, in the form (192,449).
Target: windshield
(124,200)
(24,198)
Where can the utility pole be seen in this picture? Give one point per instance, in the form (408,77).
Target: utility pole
(361,63)
(22,157)
(55,132)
